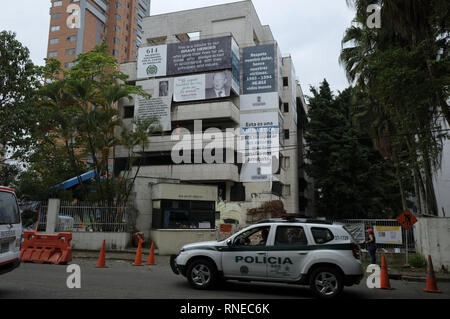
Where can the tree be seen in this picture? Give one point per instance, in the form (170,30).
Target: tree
(78,121)
(351,179)
(402,71)
(19,81)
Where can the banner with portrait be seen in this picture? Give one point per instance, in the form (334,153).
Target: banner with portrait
(199,87)
(159,105)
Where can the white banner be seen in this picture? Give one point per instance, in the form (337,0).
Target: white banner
(259,141)
(152,62)
(388,235)
(262,101)
(159,105)
(189,88)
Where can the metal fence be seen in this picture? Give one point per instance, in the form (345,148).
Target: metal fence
(407,235)
(87,216)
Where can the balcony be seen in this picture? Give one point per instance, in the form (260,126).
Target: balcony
(205,110)
(197,173)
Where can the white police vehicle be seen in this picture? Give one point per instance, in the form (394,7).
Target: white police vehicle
(10,231)
(320,254)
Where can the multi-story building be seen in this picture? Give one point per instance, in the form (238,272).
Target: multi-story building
(184,57)
(77,26)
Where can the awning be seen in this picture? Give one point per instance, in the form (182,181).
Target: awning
(74,181)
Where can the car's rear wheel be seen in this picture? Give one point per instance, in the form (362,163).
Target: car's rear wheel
(326,282)
(202,274)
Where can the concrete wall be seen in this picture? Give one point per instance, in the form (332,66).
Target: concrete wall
(94,241)
(170,241)
(432,237)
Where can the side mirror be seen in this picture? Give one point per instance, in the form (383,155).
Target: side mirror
(230,243)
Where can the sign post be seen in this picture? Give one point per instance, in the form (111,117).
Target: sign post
(407,220)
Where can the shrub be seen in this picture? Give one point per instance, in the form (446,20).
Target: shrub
(418,261)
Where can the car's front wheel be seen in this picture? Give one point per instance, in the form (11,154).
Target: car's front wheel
(326,282)
(202,274)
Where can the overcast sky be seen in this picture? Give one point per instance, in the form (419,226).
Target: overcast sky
(309,30)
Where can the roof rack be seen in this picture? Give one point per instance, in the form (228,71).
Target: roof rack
(296,220)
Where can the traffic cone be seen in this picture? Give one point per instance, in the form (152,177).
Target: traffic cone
(102,258)
(138,259)
(151,257)
(431,279)
(384,280)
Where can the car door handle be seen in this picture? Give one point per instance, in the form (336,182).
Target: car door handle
(303,254)
(260,253)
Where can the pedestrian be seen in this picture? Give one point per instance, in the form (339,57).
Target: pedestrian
(371,246)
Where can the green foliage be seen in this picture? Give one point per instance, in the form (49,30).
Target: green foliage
(350,177)
(78,121)
(19,79)
(417,261)
(401,74)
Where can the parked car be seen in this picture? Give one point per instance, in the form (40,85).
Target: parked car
(321,255)
(10,231)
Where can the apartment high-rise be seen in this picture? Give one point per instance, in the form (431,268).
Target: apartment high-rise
(77,26)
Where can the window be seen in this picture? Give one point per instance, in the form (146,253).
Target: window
(54,41)
(253,237)
(70,51)
(285,81)
(286,107)
(286,134)
(287,190)
(57,3)
(322,235)
(117,28)
(72,38)
(118,5)
(56,16)
(9,212)
(55,28)
(286,162)
(290,235)
(69,65)
(117,16)
(115,52)
(128,112)
(53,54)
(116,40)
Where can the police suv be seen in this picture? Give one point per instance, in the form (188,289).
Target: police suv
(320,254)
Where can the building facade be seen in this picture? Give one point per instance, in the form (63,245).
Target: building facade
(77,26)
(217,79)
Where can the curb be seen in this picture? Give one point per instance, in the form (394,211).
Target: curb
(415,278)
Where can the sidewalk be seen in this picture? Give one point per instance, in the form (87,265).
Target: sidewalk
(128,254)
(416,275)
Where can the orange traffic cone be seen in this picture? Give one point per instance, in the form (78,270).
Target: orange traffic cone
(102,258)
(431,279)
(138,259)
(384,280)
(151,257)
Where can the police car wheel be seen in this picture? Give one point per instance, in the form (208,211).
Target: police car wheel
(201,274)
(326,282)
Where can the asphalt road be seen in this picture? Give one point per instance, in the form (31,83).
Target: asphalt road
(121,280)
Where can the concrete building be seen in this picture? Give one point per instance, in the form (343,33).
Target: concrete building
(76,26)
(186,50)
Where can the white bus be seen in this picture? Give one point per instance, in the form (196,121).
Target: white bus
(10,231)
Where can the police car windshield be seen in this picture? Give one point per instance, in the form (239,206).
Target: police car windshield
(9,212)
